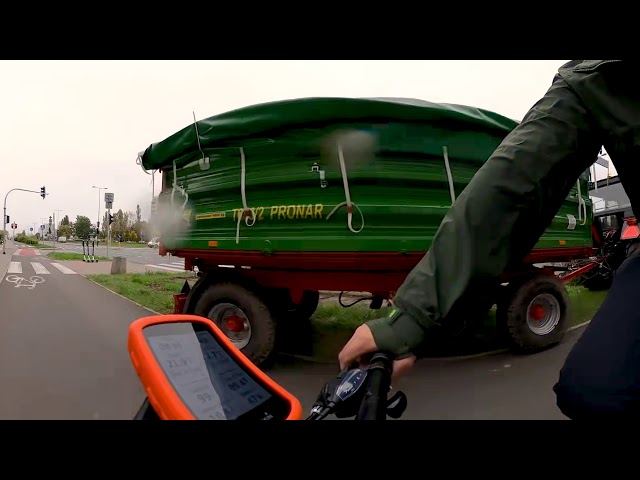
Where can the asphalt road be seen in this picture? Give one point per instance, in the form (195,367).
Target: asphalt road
(142,256)
(63,345)
(496,387)
(63,356)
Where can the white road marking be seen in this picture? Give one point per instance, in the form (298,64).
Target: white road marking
(171,269)
(36,251)
(40,269)
(15,267)
(64,269)
(23,282)
(17,252)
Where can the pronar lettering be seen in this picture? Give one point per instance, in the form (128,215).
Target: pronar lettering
(285,212)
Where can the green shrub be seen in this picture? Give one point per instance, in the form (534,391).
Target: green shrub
(27,240)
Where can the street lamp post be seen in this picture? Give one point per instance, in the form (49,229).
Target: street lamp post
(56,222)
(98,223)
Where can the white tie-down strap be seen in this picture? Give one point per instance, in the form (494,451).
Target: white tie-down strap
(247,214)
(204,161)
(452,192)
(178,188)
(348,203)
(582,206)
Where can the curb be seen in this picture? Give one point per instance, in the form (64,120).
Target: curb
(121,296)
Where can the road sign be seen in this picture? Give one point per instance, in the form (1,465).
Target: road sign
(108,197)
(31,229)
(108,205)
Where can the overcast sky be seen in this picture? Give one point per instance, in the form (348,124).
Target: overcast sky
(70,125)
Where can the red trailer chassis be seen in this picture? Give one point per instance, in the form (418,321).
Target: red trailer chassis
(380,274)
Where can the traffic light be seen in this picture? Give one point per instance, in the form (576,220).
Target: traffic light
(110,219)
(7,219)
(43,193)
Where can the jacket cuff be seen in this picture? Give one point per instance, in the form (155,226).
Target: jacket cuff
(398,334)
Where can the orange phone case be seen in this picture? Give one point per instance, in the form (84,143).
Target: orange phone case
(161,394)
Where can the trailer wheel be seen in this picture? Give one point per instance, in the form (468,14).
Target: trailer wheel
(280,300)
(243,316)
(535,313)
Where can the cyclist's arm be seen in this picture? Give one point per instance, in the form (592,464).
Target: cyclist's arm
(497,219)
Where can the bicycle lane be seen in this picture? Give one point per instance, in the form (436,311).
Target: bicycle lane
(63,346)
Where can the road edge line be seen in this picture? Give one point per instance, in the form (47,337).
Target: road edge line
(121,296)
(310,359)
(575,327)
(495,352)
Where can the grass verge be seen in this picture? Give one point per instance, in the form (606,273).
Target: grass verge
(153,290)
(69,256)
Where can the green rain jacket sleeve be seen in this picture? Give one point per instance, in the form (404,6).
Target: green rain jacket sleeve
(497,219)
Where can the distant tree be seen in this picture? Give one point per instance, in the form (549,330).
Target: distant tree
(64,231)
(65,220)
(82,226)
(145,230)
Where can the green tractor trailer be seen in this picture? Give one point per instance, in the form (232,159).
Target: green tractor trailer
(275,202)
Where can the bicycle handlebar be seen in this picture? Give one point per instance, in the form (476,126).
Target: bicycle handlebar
(361,392)
(374,403)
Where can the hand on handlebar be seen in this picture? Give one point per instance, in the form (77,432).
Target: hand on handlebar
(361,344)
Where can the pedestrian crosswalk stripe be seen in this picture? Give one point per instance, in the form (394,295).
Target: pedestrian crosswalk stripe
(15,267)
(164,267)
(63,269)
(172,265)
(40,269)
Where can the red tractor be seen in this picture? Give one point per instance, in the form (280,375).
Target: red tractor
(615,229)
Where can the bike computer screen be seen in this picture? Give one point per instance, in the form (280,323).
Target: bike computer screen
(211,383)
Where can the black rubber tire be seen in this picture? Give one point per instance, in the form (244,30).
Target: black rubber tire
(280,301)
(308,306)
(263,326)
(512,313)
(294,330)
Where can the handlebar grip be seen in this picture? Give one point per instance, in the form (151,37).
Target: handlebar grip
(374,403)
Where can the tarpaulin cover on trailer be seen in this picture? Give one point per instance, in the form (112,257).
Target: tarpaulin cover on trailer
(247,125)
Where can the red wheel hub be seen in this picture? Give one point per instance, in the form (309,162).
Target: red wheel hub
(234,324)
(537,312)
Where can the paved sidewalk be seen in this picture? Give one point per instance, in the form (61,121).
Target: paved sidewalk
(6,258)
